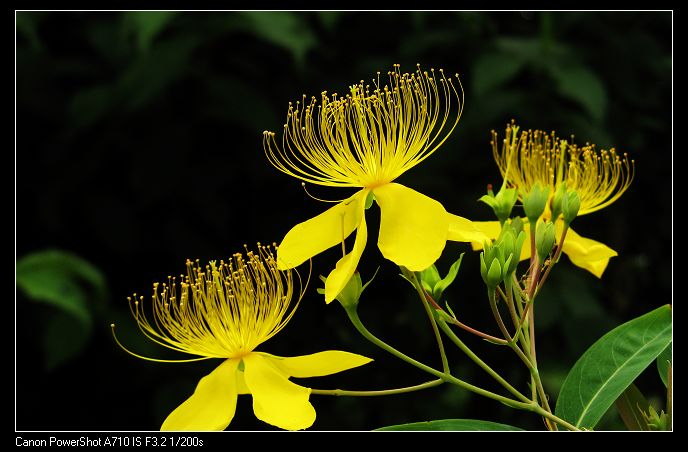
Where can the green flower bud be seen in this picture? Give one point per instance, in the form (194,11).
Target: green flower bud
(505,267)
(511,246)
(502,203)
(516,225)
(656,421)
(351,293)
(494,275)
(544,239)
(483,266)
(570,206)
(535,201)
(429,277)
(441,285)
(518,247)
(507,240)
(555,205)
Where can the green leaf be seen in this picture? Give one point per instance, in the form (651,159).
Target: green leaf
(62,280)
(610,365)
(283,28)
(329,19)
(64,337)
(459,425)
(631,405)
(147,25)
(663,363)
(147,78)
(584,87)
(493,70)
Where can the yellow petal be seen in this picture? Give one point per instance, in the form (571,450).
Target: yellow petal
(276,400)
(241,384)
(464,230)
(346,266)
(413,227)
(319,364)
(586,253)
(492,229)
(212,405)
(583,252)
(328,229)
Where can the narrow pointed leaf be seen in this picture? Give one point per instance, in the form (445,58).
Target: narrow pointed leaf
(442,285)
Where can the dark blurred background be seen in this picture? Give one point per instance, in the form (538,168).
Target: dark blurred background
(139,146)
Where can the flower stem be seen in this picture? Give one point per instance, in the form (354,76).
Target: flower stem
(453,320)
(536,382)
(526,406)
(546,414)
(344,392)
(421,293)
(497,315)
(480,362)
(554,260)
(509,298)
(510,341)
(356,321)
(487,337)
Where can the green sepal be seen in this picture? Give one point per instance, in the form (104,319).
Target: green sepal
(442,284)
(369,199)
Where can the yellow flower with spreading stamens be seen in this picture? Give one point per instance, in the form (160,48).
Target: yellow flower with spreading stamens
(225,311)
(366,139)
(599,178)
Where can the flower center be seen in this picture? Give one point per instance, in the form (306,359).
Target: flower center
(371,135)
(222,310)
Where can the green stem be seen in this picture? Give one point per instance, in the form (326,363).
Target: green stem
(529,406)
(536,381)
(453,320)
(480,362)
(533,251)
(495,312)
(487,337)
(344,392)
(428,311)
(554,260)
(356,321)
(510,304)
(532,284)
(518,301)
(546,414)
(543,396)
(510,341)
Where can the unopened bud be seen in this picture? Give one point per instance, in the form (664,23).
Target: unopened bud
(534,202)
(570,206)
(544,239)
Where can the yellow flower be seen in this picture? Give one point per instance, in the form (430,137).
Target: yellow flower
(366,139)
(600,178)
(225,311)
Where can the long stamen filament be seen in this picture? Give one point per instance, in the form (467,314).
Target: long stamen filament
(222,310)
(369,136)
